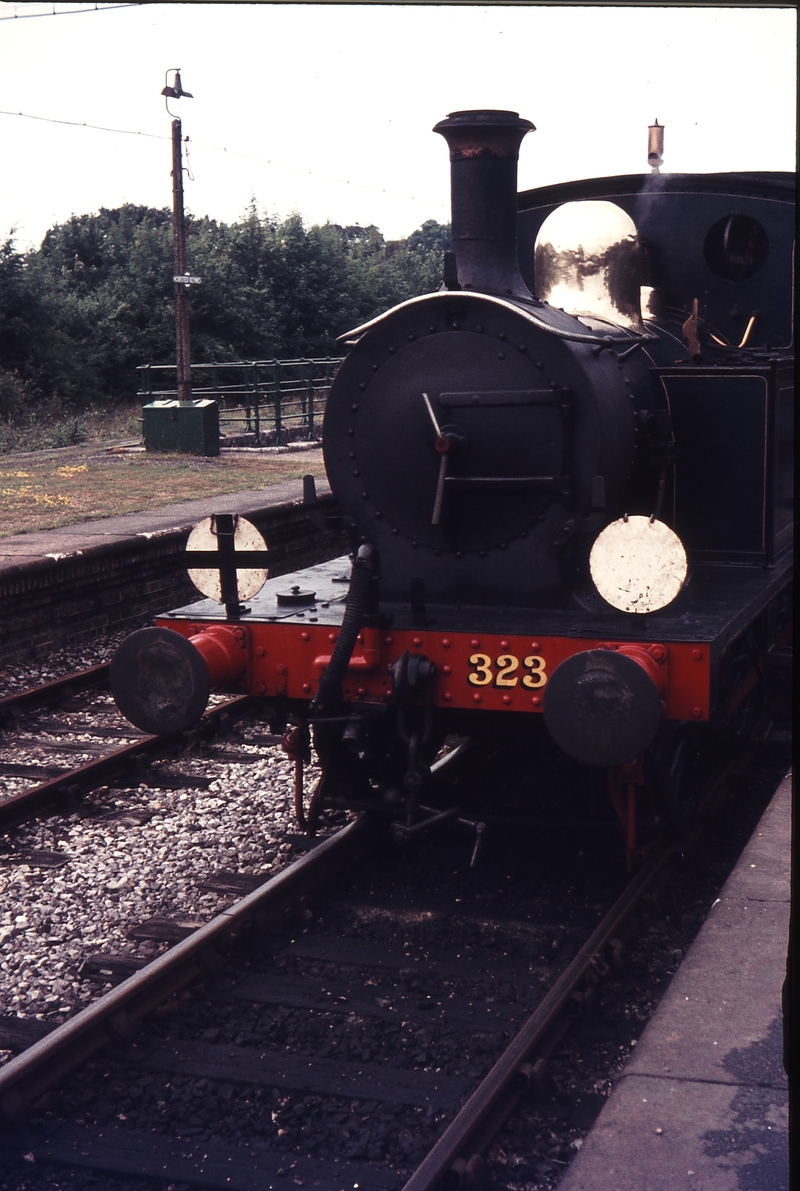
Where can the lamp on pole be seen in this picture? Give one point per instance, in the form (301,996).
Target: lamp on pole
(181,278)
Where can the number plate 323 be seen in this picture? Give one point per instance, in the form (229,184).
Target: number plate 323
(507,671)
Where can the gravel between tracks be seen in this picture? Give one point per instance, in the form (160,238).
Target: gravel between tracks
(145,856)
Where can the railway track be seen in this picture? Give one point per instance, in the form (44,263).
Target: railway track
(34,1071)
(81,850)
(361,964)
(51,721)
(57,691)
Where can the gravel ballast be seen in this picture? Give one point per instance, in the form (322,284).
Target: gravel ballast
(130,854)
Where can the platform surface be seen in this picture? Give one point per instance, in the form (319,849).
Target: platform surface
(703,1102)
(70,539)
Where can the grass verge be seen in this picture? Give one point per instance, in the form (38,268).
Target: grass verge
(45,490)
(50,424)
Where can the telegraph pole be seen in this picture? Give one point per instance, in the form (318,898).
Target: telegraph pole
(182,345)
(181,278)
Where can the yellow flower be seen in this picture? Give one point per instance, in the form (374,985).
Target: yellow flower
(51,502)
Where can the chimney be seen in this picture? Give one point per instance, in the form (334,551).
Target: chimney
(484,150)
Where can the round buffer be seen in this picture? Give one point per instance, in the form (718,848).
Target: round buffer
(159,681)
(601,707)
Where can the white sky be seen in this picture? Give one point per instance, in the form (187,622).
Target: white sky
(341,100)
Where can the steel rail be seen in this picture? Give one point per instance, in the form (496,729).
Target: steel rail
(492,1102)
(25,1078)
(486,1098)
(48,692)
(59,793)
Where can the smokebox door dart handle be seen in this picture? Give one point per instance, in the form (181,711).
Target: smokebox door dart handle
(443,446)
(429,408)
(437,504)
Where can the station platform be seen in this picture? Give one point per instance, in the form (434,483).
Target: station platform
(702,1105)
(105,532)
(65,587)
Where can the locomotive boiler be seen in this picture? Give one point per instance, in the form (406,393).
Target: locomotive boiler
(566,478)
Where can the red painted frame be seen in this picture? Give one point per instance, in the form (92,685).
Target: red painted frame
(288,659)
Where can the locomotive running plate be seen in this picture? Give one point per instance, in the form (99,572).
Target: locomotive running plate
(638,565)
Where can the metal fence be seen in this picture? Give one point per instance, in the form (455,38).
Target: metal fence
(271,402)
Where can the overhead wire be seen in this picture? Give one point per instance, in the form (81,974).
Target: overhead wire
(231,152)
(158,136)
(69,12)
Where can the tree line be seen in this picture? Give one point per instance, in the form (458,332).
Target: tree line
(78,314)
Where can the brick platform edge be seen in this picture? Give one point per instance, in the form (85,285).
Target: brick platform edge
(50,603)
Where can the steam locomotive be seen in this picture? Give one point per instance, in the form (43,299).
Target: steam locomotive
(567,481)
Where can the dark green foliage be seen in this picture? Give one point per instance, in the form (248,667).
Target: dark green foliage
(97,299)
(20,309)
(22,325)
(105,281)
(15,397)
(385,273)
